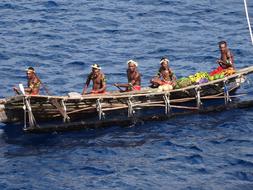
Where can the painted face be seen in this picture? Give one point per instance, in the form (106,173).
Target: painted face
(95,72)
(131,67)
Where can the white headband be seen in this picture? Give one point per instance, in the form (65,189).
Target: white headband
(164,60)
(96,66)
(133,62)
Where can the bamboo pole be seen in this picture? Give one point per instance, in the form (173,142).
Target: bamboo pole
(221,97)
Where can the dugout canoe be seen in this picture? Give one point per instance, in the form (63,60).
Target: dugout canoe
(58,113)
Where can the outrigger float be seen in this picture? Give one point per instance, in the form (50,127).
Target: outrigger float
(40,113)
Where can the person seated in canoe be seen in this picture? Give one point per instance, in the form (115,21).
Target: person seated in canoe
(33,83)
(133,76)
(98,79)
(226,61)
(165,77)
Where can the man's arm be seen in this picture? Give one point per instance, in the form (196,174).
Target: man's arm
(159,74)
(230,59)
(123,85)
(86,84)
(28,90)
(103,81)
(16,90)
(173,78)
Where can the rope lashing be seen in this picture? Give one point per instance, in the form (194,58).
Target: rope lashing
(65,117)
(227,98)
(101,114)
(166,98)
(198,98)
(24,108)
(130,108)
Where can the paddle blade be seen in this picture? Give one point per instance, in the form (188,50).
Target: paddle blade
(22,89)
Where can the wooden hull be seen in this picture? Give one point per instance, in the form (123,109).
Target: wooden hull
(127,121)
(99,110)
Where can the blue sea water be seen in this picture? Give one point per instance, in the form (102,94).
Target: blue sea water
(61,39)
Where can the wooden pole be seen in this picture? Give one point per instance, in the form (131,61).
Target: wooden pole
(248,20)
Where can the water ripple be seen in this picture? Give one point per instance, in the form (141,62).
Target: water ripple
(61,39)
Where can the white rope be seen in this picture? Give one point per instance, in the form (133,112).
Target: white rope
(24,108)
(130,108)
(199,103)
(66,117)
(167,104)
(101,114)
(226,93)
(247,15)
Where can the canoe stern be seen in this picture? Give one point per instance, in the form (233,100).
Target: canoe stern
(3,116)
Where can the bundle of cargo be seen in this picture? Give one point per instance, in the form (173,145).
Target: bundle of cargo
(183,82)
(202,77)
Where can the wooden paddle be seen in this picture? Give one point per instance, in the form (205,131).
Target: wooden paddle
(121,90)
(32,121)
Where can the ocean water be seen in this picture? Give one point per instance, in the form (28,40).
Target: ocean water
(61,39)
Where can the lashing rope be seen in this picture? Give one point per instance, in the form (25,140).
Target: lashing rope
(198,98)
(227,98)
(24,108)
(66,117)
(101,114)
(130,108)
(167,104)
